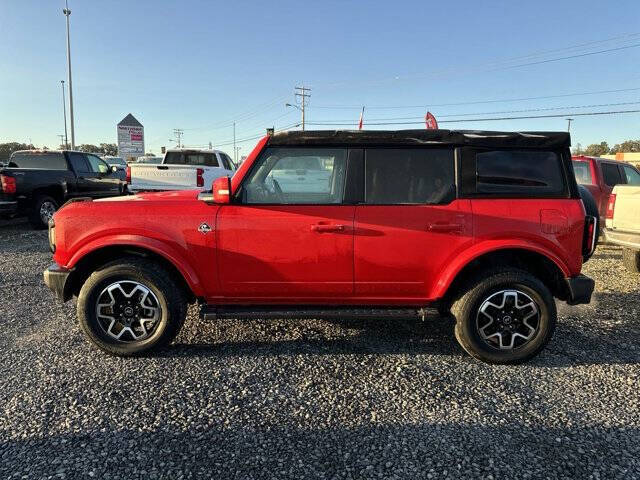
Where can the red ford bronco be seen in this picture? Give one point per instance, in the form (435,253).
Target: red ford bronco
(489,226)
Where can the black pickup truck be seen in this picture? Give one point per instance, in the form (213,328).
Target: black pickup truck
(37,182)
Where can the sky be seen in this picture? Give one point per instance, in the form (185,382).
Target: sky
(201,65)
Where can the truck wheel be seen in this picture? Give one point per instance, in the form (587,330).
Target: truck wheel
(631,259)
(42,210)
(130,306)
(505,317)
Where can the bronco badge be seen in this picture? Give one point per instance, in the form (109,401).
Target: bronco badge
(204,228)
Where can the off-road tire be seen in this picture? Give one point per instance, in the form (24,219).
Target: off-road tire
(468,301)
(631,259)
(171,298)
(34,212)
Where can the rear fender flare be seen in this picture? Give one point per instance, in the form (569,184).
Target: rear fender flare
(491,246)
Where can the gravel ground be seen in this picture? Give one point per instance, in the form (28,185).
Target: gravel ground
(314,399)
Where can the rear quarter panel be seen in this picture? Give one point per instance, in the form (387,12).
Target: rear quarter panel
(553,227)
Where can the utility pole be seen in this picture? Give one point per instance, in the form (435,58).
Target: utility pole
(234,142)
(62,144)
(67,13)
(301,92)
(178,132)
(64,112)
(569,120)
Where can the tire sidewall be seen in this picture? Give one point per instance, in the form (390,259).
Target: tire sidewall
(480,349)
(34,217)
(90,293)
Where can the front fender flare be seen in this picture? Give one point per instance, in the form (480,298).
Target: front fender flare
(169,253)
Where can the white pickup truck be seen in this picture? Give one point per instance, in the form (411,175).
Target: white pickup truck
(623,223)
(181,169)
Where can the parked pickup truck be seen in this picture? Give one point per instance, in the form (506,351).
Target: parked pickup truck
(181,169)
(623,224)
(489,226)
(600,175)
(37,182)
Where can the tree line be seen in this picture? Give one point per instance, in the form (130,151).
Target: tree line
(602,148)
(6,149)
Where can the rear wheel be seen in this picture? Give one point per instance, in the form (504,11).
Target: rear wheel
(42,211)
(631,259)
(505,317)
(131,306)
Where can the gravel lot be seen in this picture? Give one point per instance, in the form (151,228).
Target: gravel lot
(314,399)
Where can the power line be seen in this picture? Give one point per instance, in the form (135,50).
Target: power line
(476,102)
(247,115)
(255,136)
(600,105)
(500,64)
(459,120)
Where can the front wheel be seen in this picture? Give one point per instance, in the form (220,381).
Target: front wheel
(130,306)
(505,317)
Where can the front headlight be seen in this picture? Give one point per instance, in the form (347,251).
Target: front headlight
(52,236)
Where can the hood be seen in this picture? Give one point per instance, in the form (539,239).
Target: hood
(177,195)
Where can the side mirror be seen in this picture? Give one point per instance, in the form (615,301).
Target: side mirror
(221,189)
(220,192)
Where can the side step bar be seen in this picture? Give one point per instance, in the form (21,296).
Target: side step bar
(213,312)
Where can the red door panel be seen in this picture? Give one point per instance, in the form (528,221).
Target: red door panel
(285,253)
(400,250)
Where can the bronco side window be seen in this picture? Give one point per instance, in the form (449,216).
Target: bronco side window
(513,172)
(409,176)
(294,176)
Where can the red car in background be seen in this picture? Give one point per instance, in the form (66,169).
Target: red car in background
(600,175)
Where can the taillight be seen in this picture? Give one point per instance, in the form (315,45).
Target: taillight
(128,176)
(199,177)
(611,206)
(8,184)
(590,235)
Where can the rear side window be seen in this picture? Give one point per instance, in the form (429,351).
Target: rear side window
(582,170)
(633,177)
(226,161)
(611,174)
(409,176)
(519,173)
(184,158)
(44,160)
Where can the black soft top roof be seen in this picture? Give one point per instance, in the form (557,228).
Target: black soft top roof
(474,138)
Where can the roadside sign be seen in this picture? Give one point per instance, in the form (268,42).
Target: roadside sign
(130,138)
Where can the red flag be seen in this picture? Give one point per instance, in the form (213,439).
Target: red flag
(360,122)
(430,121)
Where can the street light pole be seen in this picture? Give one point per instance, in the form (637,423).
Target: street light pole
(64,112)
(67,13)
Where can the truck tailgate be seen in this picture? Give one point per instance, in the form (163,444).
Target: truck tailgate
(163,177)
(626,215)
